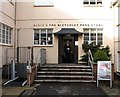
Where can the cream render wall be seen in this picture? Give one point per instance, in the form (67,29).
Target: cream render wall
(7,17)
(51,53)
(65,13)
(63,9)
(7,13)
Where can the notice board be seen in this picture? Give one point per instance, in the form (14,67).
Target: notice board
(104,71)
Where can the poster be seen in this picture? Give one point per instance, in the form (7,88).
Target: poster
(104,71)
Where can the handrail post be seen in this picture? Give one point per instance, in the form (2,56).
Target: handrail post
(90,60)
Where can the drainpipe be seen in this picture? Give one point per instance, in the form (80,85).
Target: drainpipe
(15,32)
(113,31)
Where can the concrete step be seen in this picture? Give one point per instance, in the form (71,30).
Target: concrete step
(63,72)
(64,76)
(53,80)
(63,69)
(65,66)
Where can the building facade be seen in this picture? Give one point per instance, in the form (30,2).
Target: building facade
(49,24)
(116,28)
(7,26)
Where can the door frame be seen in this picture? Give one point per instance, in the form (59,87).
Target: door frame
(60,48)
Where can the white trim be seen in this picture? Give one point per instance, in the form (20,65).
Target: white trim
(42,45)
(10,81)
(46,34)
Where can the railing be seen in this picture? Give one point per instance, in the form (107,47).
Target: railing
(37,61)
(90,61)
(12,72)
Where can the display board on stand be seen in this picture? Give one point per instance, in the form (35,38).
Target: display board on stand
(104,71)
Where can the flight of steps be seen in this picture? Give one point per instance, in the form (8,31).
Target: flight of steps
(64,73)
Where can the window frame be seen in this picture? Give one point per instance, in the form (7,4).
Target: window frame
(96,34)
(40,39)
(96,3)
(6,34)
(43,4)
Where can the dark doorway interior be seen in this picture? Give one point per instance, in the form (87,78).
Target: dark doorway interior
(74,52)
(65,57)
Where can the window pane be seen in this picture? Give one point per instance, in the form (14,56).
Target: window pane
(99,30)
(92,2)
(4,27)
(3,36)
(93,37)
(99,1)
(10,35)
(93,30)
(100,38)
(49,38)
(86,30)
(43,36)
(6,37)
(43,33)
(36,36)
(86,38)
(86,2)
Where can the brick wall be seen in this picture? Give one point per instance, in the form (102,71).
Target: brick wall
(31,76)
(95,71)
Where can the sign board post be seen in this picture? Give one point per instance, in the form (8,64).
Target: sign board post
(104,71)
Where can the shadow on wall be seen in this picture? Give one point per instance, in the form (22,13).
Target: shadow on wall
(0,73)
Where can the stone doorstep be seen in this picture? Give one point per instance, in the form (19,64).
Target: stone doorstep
(63,76)
(56,72)
(65,69)
(65,81)
(69,66)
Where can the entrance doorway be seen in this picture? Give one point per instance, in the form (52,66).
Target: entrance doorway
(74,49)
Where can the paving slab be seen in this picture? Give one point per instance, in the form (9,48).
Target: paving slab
(73,89)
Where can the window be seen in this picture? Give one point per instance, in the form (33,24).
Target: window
(5,34)
(92,2)
(93,35)
(86,2)
(43,36)
(43,3)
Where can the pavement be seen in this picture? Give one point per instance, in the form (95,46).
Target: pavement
(64,89)
(69,89)
(14,89)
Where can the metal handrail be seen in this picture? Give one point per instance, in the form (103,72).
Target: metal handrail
(90,60)
(36,61)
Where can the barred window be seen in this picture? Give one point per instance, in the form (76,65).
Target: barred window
(43,36)
(5,34)
(93,35)
(92,2)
